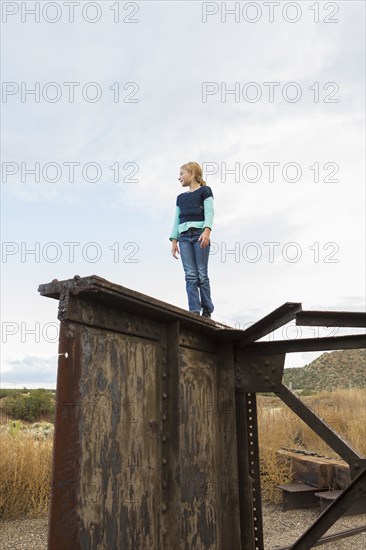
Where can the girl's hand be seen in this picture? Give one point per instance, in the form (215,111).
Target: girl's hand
(175,249)
(205,238)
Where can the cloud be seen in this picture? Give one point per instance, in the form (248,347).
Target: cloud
(169,54)
(30,371)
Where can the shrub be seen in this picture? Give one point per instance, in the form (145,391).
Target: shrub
(11,392)
(35,405)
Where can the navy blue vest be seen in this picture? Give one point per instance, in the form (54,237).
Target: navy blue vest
(191,204)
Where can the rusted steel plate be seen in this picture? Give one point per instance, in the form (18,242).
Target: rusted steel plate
(113,452)
(96,289)
(108,318)
(258,372)
(64,521)
(190,338)
(205,475)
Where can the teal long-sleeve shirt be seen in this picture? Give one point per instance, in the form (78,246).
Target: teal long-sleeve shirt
(207,222)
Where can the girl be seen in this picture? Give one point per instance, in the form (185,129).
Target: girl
(192,228)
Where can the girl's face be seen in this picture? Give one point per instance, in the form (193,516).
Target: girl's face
(185,177)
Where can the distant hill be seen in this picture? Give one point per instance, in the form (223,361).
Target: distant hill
(335,369)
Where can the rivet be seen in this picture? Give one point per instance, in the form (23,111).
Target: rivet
(356,466)
(163,532)
(164,439)
(164,484)
(164,374)
(164,461)
(164,360)
(165,395)
(164,417)
(267,363)
(164,508)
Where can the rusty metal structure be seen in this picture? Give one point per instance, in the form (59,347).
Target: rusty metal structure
(156,437)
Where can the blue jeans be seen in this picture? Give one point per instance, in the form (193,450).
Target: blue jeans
(195,265)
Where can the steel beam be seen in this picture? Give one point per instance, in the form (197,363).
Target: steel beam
(322,429)
(351,494)
(335,536)
(268,324)
(251,528)
(308,344)
(331,319)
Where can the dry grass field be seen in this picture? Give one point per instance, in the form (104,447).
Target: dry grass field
(343,410)
(25,472)
(26,455)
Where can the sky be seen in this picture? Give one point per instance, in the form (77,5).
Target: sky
(102,103)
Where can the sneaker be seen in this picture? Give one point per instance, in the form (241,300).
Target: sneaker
(206,314)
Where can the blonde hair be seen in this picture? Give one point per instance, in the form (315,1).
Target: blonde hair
(195,169)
